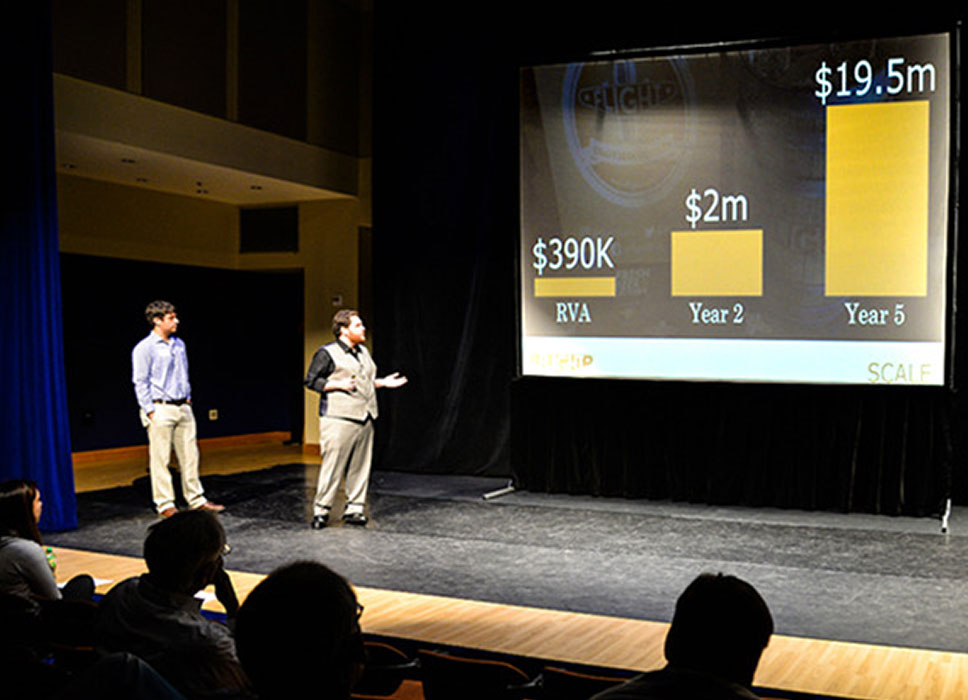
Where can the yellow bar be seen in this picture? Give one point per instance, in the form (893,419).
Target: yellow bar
(574,287)
(877,199)
(717,263)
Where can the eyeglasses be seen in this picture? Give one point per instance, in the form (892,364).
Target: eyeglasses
(359,611)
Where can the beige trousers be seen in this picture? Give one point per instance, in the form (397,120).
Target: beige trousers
(347,448)
(173,427)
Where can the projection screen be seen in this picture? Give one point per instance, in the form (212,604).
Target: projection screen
(762,214)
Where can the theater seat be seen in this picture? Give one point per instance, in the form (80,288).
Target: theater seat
(448,677)
(564,684)
(385,670)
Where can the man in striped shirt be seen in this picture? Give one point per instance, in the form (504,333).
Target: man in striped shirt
(160,376)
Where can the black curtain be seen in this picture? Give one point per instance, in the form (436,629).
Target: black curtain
(870,449)
(445,237)
(443,278)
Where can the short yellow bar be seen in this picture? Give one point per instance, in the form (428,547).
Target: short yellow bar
(717,263)
(877,199)
(574,287)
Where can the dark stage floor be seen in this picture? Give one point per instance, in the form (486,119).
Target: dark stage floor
(863,578)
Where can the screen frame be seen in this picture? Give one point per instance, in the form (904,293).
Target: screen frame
(952,29)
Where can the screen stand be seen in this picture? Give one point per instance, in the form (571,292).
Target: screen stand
(497,493)
(945,516)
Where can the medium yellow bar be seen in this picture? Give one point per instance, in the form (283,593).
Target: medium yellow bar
(877,199)
(574,287)
(717,263)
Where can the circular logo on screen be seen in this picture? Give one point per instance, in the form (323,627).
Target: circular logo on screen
(629,125)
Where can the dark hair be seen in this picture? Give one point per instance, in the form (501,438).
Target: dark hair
(158,309)
(17,509)
(180,548)
(302,615)
(342,318)
(721,626)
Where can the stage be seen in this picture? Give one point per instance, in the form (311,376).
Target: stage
(856,578)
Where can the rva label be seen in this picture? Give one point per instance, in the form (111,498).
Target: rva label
(572,312)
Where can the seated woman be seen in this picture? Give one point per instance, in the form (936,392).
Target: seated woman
(26,569)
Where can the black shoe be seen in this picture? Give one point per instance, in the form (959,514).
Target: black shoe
(355,519)
(319,522)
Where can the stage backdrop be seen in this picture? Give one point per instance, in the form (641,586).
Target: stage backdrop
(445,233)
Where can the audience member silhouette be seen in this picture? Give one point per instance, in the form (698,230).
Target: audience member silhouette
(26,568)
(157,617)
(118,676)
(288,650)
(23,646)
(719,630)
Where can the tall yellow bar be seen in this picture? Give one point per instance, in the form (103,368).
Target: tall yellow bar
(877,199)
(717,263)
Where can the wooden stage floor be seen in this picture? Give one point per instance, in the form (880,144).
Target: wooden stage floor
(792,663)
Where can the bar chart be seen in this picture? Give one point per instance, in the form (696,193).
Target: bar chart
(767,213)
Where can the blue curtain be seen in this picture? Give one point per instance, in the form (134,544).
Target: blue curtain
(34,432)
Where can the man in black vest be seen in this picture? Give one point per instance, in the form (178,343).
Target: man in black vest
(344,374)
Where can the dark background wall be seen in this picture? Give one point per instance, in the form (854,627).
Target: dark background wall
(183,60)
(445,233)
(243,331)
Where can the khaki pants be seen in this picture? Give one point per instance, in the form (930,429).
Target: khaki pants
(173,426)
(346,447)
